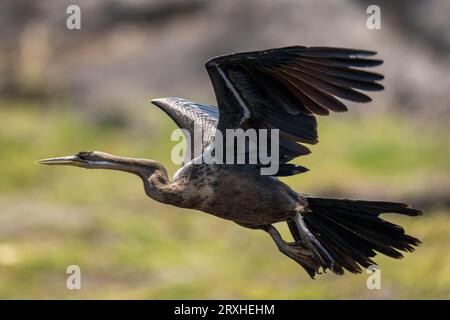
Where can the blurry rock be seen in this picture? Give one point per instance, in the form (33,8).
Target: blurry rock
(129,51)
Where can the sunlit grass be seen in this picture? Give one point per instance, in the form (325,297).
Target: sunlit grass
(385,152)
(129,246)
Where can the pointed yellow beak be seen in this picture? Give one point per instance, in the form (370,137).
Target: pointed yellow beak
(61,160)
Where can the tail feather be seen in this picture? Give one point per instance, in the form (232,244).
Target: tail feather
(348,250)
(352,231)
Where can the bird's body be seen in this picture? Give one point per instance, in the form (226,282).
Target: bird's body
(236,193)
(280,91)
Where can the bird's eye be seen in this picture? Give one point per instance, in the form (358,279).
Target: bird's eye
(83,154)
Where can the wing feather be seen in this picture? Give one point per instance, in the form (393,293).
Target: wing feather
(284,88)
(187,115)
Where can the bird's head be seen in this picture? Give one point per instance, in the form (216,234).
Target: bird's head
(84,159)
(102,160)
(144,168)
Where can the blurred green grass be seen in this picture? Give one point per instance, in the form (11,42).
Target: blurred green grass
(129,246)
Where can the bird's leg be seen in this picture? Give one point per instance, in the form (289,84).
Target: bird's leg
(312,243)
(289,249)
(297,251)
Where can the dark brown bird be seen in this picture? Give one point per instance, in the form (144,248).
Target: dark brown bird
(281,89)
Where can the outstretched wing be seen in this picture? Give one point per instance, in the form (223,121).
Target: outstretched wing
(285,88)
(193,118)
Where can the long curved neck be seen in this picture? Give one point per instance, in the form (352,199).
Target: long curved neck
(154,175)
(158,187)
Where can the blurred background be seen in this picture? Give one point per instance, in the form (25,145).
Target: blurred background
(62,91)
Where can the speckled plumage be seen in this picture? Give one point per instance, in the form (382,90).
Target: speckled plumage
(237,193)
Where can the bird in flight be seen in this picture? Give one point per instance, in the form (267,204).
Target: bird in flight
(283,89)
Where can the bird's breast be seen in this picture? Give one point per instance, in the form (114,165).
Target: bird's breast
(239,195)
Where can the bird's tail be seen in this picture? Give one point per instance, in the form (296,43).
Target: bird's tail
(345,234)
